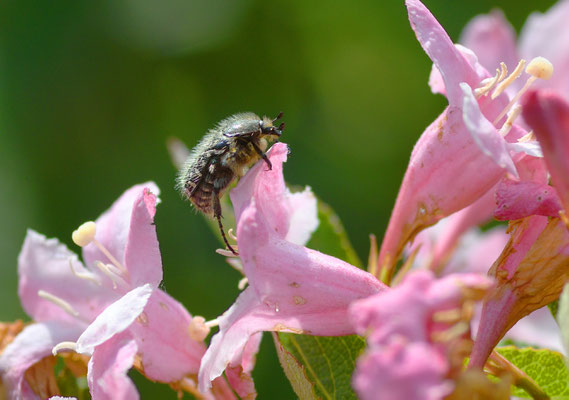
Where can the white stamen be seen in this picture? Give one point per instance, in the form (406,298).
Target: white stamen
(242,283)
(510,121)
(63,346)
(213,323)
(528,137)
(64,305)
(84,275)
(113,260)
(85,234)
(503,71)
(111,272)
(487,85)
(508,81)
(538,68)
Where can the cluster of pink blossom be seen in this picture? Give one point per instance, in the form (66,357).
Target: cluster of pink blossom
(499,150)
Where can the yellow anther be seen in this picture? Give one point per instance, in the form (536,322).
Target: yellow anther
(85,234)
(540,67)
(197,330)
(508,81)
(242,283)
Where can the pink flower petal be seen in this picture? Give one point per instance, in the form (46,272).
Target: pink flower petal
(485,135)
(402,371)
(437,243)
(166,351)
(548,115)
(32,344)
(291,216)
(493,39)
(495,320)
(547,35)
(43,264)
(128,232)
(108,367)
(380,317)
(114,319)
(446,173)
(453,66)
(517,200)
(238,372)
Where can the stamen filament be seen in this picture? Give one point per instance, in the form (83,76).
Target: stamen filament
(84,275)
(64,346)
(211,324)
(515,99)
(115,262)
(510,79)
(488,84)
(111,272)
(64,305)
(505,129)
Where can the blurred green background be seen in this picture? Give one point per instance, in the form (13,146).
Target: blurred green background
(90,91)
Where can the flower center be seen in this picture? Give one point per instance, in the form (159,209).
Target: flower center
(116,272)
(538,68)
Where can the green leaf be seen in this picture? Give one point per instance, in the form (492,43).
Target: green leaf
(331,238)
(326,363)
(294,371)
(554,308)
(546,367)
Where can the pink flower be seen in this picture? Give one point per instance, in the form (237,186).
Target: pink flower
(532,269)
(462,154)
(493,40)
(291,288)
(454,244)
(112,309)
(417,334)
(529,274)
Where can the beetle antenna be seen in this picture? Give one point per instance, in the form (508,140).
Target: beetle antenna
(278,116)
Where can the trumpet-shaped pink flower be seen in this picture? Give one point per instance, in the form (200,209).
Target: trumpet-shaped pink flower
(449,167)
(291,288)
(87,308)
(414,334)
(533,267)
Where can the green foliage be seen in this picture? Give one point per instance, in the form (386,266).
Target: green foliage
(546,367)
(69,384)
(331,237)
(324,363)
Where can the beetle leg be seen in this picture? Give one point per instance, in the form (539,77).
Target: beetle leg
(217,215)
(263,156)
